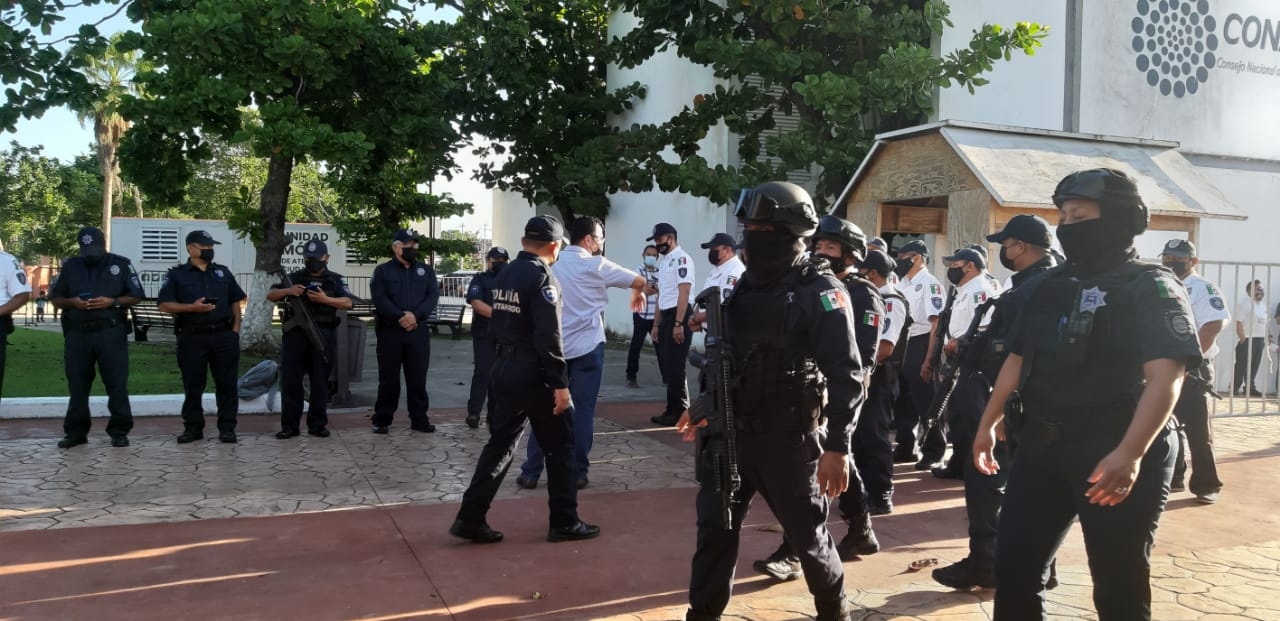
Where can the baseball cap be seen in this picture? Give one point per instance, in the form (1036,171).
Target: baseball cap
(201,238)
(92,241)
(878,242)
(1180,248)
(915,246)
(721,239)
(405,236)
(315,249)
(968,254)
(497,252)
(660,229)
(878,262)
(1025,228)
(544,228)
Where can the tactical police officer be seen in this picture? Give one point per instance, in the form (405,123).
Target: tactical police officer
(480,297)
(873,448)
(530,383)
(14,293)
(405,293)
(1094,368)
(206,299)
(324,293)
(94,289)
(1211,315)
(1024,249)
(790,324)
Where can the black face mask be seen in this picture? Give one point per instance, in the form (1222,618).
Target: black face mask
(955,275)
(837,263)
(713,256)
(315,266)
(206,255)
(409,254)
(771,253)
(497,267)
(1005,260)
(1178,267)
(1095,245)
(902,267)
(664,248)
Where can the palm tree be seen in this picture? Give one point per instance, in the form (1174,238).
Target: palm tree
(112,74)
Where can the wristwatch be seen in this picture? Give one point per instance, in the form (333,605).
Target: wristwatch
(115,302)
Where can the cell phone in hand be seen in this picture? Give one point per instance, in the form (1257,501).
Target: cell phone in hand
(312,287)
(86,296)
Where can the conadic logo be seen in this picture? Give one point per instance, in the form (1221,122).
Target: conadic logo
(1176,41)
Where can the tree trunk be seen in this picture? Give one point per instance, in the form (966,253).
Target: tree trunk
(106,206)
(256,334)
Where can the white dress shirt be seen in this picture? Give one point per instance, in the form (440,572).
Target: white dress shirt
(969,296)
(584,286)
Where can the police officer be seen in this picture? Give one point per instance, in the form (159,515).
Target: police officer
(1192,409)
(325,293)
(530,383)
(405,292)
(925,298)
(206,299)
(843,245)
(1024,249)
(1094,368)
(791,324)
(873,448)
(726,270)
(95,288)
(671,327)
(480,297)
(14,293)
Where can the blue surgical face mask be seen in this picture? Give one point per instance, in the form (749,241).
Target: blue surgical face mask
(650,261)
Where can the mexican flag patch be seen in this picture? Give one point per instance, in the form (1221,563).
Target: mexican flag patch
(979,298)
(1168,290)
(833,299)
(870,319)
(935,289)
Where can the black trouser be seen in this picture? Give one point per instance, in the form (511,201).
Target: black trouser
(674,360)
(872,448)
(934,445)
(640,329)
(520,394)
(781,467)
(298,357)
(1045,494)
(482,353)
(412,351)
(1250,351)
(105,352)
(211,353)
(1192,411)
(983,494)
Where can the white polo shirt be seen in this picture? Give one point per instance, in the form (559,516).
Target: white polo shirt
(1206,305)
(13,281)
(674,269)
(725,276)
(895,316)
(969,296)
(1253,314)
(926,296)
(584,288)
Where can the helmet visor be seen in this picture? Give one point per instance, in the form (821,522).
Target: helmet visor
(753,205)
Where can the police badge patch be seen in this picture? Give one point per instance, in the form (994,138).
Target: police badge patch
(22,277)
(217,273)
(311,247)
(1179,324)
(1216,303)
(422,271)
(115,270)
(684,271)
(550,294)
(937,303)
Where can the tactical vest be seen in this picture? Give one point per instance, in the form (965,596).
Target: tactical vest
(1081,342)
(778,387)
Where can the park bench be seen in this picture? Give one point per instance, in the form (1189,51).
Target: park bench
(145,315)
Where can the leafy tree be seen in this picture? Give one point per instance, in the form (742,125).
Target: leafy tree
(40,74)
(329,79)
(848,69)
(35,218)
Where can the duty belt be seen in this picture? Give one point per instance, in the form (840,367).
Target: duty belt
(1054,431)
(94,325)
(205,328)
(516,353)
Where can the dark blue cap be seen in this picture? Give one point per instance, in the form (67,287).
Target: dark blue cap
(879,262)
(660,229)
(92,242)
(544,229)
(878,242)
(1025,228)
(201,238)
(968,254)
(1180,248)
(405,236)
(721,239)
(315,249)
(498,252)
(915,246)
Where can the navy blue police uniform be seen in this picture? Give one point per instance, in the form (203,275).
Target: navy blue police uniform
(529,368)
(869,314)
(481,289)
(299,356)
(207,345)
(398,287)
(96,340)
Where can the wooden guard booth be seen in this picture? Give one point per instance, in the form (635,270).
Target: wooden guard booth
(956,182)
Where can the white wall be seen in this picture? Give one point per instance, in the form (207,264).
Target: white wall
(1025,91)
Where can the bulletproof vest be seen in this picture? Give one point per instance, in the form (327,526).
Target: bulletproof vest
(1081,341)
(992,346)
(777,376)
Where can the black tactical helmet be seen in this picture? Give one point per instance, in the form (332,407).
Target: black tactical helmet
(1115,192)
(780,203)
(845,233)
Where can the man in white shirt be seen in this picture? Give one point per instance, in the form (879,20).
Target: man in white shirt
(642,322)
(726,269)
(1251,332)
(585,277)
(14,292)
(1192,408)
(671,332)
(925,298)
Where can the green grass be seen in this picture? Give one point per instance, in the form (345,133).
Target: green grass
(33,367)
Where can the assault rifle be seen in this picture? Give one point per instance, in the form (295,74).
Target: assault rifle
(949,374)
(300,317)
(717,449)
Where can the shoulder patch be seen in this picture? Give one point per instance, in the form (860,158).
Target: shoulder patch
(682,261)
(1179,325)
(1216,303)
(833,299)
(937,303)
(217,273)
(684,271)
(550,294)
(1168,289)
(870,319)
(979,297)
(114,269)
(1209,288)
(919,287)
(22,277)
(422,271)
(935,289)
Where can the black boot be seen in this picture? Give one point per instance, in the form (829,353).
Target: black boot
(840,610)
(860,541)
(782,565)
(965,576)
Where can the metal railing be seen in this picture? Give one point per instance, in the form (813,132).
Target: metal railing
(1242,363)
